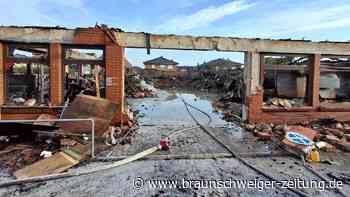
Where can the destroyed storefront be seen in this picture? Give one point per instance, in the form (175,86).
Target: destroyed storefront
(285,81)
(297,88)
(50,67)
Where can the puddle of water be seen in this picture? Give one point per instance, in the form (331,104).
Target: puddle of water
(169,109)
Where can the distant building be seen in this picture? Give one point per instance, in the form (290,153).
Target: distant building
(220,64)
(161,64)
(161,67)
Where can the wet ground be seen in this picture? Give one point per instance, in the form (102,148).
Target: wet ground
(169,109)
(160,116)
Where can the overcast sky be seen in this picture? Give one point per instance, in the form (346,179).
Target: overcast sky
(297,19)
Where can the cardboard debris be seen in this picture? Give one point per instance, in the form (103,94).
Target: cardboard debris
(101,110)
(57,163)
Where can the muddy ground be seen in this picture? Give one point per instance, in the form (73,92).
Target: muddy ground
(160,116)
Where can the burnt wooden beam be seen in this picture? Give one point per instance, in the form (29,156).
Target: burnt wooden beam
(315,81)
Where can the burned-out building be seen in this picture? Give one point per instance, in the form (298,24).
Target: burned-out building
(283,79)
(42,67)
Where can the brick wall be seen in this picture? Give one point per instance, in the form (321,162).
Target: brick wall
(115,76)
(90,36)
(113,61)
(56,72)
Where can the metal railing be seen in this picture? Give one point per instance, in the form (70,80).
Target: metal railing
(92,121)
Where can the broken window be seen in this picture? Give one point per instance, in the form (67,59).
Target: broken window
(285,79)
(334,81)
(27,75)
(84,71)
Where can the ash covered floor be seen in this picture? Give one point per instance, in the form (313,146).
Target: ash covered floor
(160,116)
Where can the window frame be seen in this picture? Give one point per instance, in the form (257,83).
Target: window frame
(65,61)
(309,96)
(26,60)
(327,107)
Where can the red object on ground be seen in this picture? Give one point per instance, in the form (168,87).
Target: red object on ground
(164,144)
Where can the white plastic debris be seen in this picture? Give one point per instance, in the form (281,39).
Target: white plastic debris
(19,100)
(46,154)
(4,139)
(85,137)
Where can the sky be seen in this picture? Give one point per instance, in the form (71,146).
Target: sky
(316,20)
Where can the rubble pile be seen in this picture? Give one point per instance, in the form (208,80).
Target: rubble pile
(230,81)
(42,148)
(326,135)
(171,83)
(231,110)
(220,81)
(15,156)
(135,87)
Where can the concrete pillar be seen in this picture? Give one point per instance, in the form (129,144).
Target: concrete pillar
(2,74)
(56,74)
(114,59)
(251,72)
(251,79)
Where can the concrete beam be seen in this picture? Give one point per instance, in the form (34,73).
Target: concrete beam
(138,40)
(36,35)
